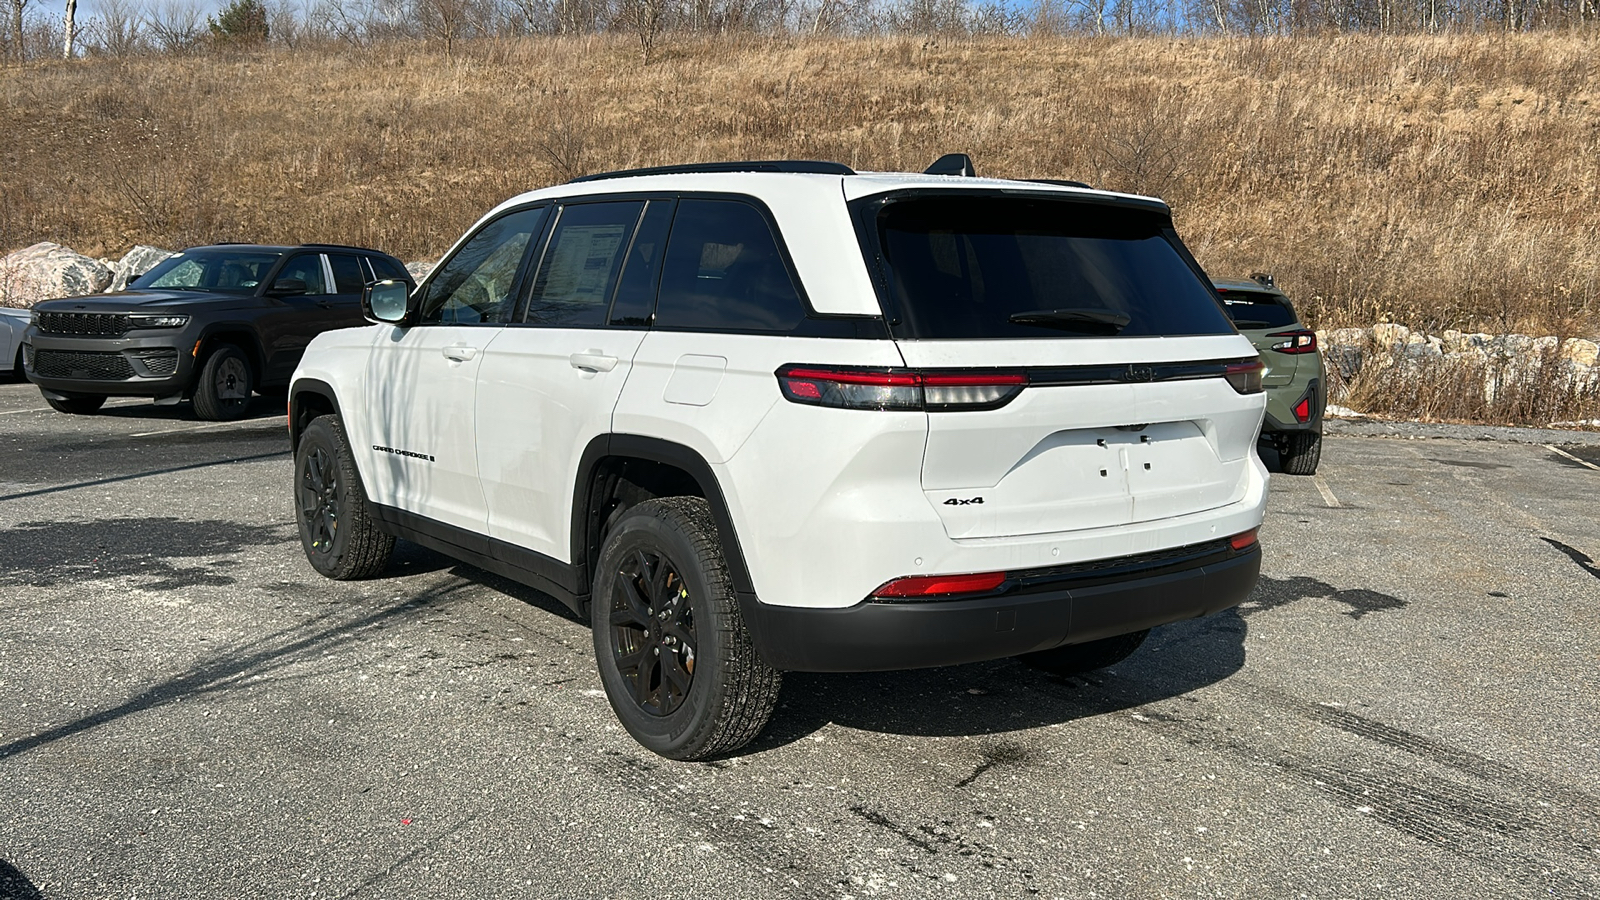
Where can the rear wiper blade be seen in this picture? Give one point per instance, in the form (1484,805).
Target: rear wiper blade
(1243,324)
(1074,319)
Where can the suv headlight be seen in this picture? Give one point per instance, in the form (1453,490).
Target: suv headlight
(155,321)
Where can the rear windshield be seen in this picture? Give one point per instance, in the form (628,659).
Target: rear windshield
(1256,309)
(1015,267)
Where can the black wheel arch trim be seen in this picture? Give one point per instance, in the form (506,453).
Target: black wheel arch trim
(216,334)
(297,391)
(586,515)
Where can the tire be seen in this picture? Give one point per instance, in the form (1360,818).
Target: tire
(337,532)
(1075,659)
(1299,452)
(222,392)
(78,404)
(675,658)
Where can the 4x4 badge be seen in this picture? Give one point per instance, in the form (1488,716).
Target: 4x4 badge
(957,502)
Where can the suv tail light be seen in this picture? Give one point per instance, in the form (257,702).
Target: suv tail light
(1245,377)
(916,587)
(1300,341)
(936,391)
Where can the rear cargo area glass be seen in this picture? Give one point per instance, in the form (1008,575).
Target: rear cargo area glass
(966,268)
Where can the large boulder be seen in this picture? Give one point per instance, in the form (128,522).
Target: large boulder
(46,271)
(136,262)
(420,270)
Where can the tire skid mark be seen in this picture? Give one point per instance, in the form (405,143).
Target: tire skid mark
(788,870)
(1502,827)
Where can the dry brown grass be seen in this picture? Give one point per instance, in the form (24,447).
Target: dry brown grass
(1435,181)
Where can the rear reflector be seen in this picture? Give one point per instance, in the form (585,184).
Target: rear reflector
(940,585)
(1243,540)
(886,389)
(1302,410)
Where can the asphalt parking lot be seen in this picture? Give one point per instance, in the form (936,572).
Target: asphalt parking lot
(1409,706)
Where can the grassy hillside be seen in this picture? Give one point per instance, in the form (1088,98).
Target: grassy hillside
(1436,181)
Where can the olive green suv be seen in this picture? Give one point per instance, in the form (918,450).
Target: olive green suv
(1295,378)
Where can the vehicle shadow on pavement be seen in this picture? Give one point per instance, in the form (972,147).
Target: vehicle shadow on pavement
(237,668)
(1007,695)
(260,408)
(15,886)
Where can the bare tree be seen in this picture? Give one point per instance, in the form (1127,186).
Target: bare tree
(117,31)
(176,25)
(72,32)
(17,41)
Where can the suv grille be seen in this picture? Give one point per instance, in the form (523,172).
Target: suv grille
(73,364)
(84,323)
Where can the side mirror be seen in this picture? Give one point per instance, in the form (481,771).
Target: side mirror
(386,301)
(287,286)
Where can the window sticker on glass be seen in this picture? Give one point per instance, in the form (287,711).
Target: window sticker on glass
(580,266)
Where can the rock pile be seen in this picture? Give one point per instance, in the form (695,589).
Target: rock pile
(46,271)
(1503,359)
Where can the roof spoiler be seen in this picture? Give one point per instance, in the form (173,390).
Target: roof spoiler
(952,164)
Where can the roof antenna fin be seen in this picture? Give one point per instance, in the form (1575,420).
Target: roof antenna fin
(952,164)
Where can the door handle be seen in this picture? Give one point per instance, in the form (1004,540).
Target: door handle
(459,353)
(593,361)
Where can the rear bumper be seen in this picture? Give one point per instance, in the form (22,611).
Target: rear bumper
(1038,610)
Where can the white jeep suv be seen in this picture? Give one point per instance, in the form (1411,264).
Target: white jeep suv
(757,417)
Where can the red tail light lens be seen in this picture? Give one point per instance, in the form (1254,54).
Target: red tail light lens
(1245,377)
(919,586)
(936,391)
(1295,341)
(1302,410)
(1244,540)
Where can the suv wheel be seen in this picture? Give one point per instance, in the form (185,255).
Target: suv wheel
(1299,452)
(675,657)
(1075,659)
(223,391)
(336,531)
(77,404)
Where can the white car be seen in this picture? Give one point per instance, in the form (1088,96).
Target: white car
(13,322)
(757,417)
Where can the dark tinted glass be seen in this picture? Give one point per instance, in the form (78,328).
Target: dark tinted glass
(474,285)
(1002,267)
(1254,309)
(347,275)
(386,269)
(306,267)
(723,271)
(636,291)
(581,263)
(214,270)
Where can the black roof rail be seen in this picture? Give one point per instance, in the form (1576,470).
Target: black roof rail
(1059,181)
(339,247)
(952,164)
(798,166)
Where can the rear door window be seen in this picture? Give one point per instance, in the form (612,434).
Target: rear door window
(723,271)
(348,278)
(581,262)
(1019,267)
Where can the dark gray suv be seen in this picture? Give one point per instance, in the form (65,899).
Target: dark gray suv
(211,324)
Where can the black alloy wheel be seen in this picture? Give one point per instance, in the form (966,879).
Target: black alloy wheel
(223,391)
(337,532)
(319,500)
(652,631)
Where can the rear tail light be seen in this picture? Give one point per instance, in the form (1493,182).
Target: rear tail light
(937,391)
(917,587)
(1295,341)
(1302,410)
(1244,540)
(1245,377)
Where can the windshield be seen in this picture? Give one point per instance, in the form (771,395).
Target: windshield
(1030,267)
(208,270)
(1256,309)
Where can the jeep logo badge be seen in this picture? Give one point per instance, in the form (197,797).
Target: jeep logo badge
(1139,373)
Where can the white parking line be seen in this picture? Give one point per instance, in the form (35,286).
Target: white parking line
(1327,492)
(194,428)
(1581,462)
(13,412)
